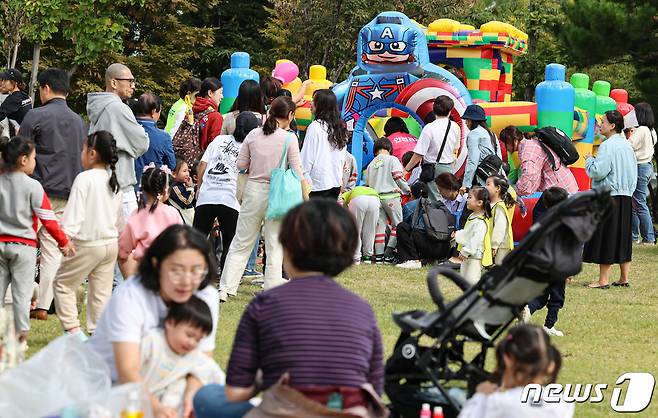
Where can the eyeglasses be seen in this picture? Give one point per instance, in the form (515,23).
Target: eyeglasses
(129,80)
(196,275)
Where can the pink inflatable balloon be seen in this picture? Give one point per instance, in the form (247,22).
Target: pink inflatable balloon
(286,71)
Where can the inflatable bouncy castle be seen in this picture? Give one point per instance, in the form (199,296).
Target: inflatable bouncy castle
(401,67)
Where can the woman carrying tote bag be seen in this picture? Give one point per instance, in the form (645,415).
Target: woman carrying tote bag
(261,156)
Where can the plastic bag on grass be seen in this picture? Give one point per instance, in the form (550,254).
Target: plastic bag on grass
(63,373)
(129,400)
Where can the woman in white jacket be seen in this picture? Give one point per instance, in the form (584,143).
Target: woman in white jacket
(323,151)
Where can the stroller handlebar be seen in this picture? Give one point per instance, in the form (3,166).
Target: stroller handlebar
(433,283)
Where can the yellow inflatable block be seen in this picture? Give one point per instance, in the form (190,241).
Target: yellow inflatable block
(463,53)
(318,75)
(489,74)
(466,27)
(498,123)
(444,25)
(294,86)
(473,84)
(502,27)
(496,27)
(583,149)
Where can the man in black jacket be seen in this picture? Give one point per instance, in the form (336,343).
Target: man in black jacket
(59,134)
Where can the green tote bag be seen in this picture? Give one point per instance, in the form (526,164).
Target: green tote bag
(285,187)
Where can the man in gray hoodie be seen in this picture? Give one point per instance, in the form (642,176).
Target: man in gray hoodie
(108,112)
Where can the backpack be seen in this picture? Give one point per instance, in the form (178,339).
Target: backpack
(559,143)
(439,222)
(491,164)
(186,140)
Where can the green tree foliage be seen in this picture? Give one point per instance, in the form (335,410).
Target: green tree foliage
(13,21)
(238,24)
(153,41)
(612,33)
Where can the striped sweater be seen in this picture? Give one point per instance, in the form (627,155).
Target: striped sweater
(22,202)
(314,329)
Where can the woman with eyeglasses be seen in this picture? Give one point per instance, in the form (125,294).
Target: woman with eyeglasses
(177,265)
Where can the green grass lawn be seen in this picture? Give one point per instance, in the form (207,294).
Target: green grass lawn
(607,332)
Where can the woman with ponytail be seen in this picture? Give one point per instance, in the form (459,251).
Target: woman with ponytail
(323,154)
(502,213)
(92,218)
(261,153)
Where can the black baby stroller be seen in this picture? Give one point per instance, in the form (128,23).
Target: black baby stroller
(440,356)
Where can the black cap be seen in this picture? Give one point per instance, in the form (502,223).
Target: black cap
(11,74)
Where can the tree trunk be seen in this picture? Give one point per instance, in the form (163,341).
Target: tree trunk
(72,70)
(36,55)
(14,56)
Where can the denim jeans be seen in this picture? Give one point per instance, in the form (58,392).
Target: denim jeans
(210,402)
(642,225)
(251,264)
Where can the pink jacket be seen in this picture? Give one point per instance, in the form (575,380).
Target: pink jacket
(143,227)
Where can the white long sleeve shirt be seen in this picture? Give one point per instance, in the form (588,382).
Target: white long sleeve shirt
(508,404)
(643,141)
(93,215)
(322,164)
(472,237)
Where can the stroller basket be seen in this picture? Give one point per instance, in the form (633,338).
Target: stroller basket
(440,373)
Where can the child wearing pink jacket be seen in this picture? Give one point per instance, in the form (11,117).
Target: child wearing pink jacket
(149,220)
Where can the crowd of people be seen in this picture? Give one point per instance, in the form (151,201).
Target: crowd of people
(152,218)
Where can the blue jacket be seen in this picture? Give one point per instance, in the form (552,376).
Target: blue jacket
(408,214)
(478,143)
(614,166)
(161,150)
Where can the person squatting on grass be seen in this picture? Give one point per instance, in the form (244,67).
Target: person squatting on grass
(414,244)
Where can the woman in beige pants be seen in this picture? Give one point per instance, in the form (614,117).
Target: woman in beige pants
(260,154)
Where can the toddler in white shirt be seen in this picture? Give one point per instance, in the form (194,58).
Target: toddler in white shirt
(170,355)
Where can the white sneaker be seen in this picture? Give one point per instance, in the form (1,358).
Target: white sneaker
(554,332)
(525,315)
(410,264)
